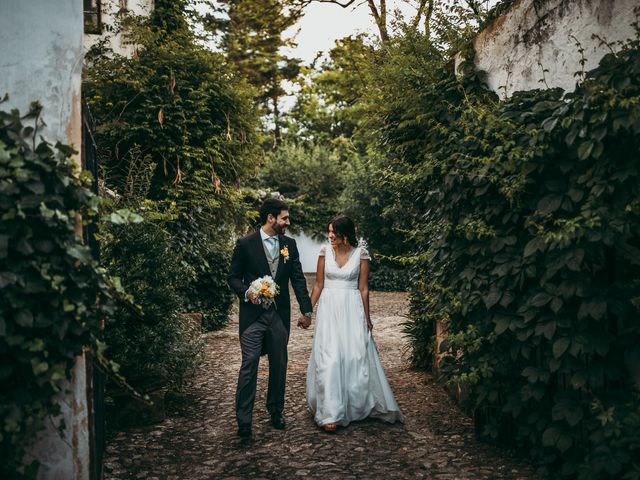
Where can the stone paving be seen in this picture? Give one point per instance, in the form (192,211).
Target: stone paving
(198,439)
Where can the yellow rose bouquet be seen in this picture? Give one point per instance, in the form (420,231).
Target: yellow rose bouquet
(264,289)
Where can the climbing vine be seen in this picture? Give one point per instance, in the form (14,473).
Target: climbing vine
(525,217)
(53,293)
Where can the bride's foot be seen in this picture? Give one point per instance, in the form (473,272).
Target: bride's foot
(330,427)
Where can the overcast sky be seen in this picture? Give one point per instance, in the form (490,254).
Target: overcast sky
(324,23)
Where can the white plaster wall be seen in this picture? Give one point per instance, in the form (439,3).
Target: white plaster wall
(539,34)
(111,24)
(41,60)
(68,457)
(308,249)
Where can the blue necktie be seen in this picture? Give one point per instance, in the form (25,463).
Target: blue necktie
(271,245)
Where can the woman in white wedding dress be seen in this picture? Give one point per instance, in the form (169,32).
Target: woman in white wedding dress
(345,379)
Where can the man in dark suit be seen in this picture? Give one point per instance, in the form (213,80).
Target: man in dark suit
(266,252)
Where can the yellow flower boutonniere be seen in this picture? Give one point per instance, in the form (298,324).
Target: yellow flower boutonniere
(285,253)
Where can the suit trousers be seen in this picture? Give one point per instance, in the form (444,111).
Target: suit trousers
(268,328)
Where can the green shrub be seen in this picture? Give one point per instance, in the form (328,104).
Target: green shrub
(155,348)
(179,105)
(175,125)
(525,220)
(53,293)
(387,278)
(206,247)
(310,177)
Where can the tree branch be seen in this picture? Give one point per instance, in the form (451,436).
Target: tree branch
(420,10)
(343,4)
(379,15)
(427,19)
(380,18)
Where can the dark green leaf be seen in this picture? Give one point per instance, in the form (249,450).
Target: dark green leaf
(585,149)
(560,346)
(550,203)
(540,299)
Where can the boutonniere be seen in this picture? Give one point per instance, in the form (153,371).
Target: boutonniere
(285,253)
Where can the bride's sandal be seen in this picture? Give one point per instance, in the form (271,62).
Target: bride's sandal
(330,427)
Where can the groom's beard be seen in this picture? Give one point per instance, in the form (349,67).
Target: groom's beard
(279,229)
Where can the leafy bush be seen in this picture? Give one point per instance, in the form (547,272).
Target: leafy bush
(371,205)
(176,104)
(310,177)
(387,278)
(155,348)
(53,293)
(527,233)
(208,251)
(175,125)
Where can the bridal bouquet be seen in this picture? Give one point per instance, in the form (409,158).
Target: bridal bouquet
(264,289)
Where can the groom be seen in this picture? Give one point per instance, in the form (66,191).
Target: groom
(266,252)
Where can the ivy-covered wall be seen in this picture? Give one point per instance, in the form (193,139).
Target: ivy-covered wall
(527,232)
(542,43)
(41,60)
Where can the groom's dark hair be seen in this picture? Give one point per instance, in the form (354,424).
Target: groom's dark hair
(271,206)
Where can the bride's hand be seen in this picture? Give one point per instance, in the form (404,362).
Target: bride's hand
(369,324)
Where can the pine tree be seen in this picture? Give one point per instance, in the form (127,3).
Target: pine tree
(252,36)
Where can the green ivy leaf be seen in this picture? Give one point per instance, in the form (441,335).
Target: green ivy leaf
(585,149)
(560,346)
(549,329)
(24,318)
(549,124)
(534,245)
(556,304)
(502,324)
(493,297)
(550,203)
(541,299)
(39,367)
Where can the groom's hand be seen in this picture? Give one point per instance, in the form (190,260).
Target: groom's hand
(304,321)
(251,298)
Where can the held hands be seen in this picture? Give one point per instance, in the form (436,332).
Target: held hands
(304,322)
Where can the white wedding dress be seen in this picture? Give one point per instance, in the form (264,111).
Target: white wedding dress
(345,379)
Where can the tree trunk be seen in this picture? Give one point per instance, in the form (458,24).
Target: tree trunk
(380,17)
(277,135)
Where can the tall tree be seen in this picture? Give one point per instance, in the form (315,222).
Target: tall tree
(328,104)
(252,35)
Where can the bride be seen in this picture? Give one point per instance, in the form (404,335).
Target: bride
(345,379)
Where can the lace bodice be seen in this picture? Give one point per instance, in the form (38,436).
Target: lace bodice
(345,276)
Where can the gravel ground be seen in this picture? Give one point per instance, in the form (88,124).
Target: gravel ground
(198,438)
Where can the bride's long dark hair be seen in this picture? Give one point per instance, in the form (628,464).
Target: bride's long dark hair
(344,227)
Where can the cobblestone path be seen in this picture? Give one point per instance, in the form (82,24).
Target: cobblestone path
(198,439)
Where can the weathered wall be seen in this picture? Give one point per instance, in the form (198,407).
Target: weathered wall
(542,34)
(111,25)
(41,60)
(68,457)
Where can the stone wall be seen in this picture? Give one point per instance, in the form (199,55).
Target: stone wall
(536,35)
(41,60)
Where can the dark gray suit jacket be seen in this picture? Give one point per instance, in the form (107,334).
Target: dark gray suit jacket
(250,262)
